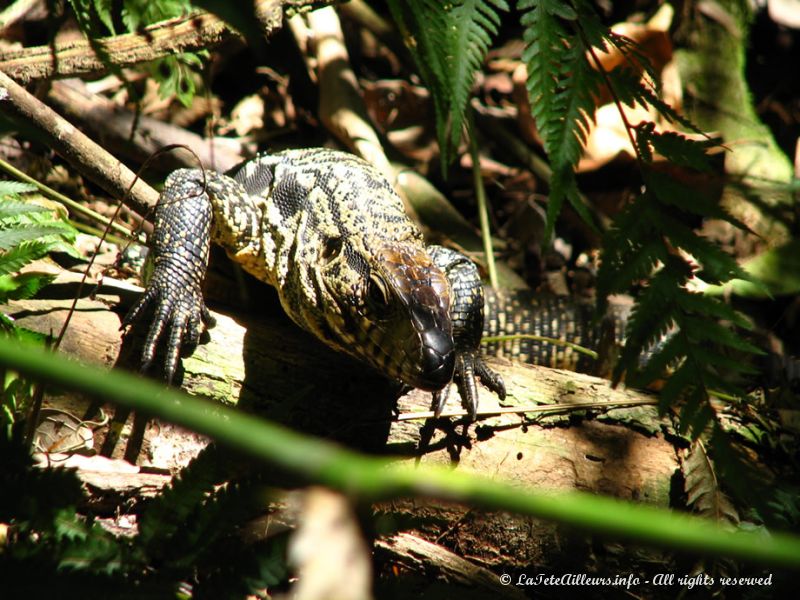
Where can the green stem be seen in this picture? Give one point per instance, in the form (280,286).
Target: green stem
(61,198)
(374,479)
(480,194)
(539,338)
(121,242)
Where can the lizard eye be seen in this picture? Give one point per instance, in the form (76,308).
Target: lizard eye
(377,294)
(332,248)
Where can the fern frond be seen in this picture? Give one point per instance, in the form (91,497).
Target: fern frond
(696,414)
(562,87)
(636,59)
(717,264)
(11,207)
(21,287)
(631,91)
(169,511)
(645,237)
(21,255)
(448,42)
(680,150)
(9,188)
(672,192)
(473,24)
(653,314)
(561,82)
(632,248)
(703,491)
(712,307)
(28,233)
(665,356)
(680,380)
(221,512)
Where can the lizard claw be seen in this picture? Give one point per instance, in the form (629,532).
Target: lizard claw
(466,313)
(180,311)
(470,365)
(439,400)
(179,256)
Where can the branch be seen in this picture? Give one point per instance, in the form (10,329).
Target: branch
(114,125)
(183,34)
(87,157)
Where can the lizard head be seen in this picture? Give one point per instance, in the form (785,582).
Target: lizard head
(390,310)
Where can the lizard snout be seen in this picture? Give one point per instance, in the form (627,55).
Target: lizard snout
(438,353)
(438,359)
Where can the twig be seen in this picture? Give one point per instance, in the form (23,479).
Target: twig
(511,142)
(539,338)
(539,408)
(363,14)
(114,125)
(83,154)
(15,12)
(341,106)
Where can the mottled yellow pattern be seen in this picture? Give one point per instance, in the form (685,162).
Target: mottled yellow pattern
(330,234)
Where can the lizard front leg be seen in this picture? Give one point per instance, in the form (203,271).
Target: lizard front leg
(187,209)
(466,314)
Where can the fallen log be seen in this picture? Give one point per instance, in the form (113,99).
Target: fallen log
(264,363)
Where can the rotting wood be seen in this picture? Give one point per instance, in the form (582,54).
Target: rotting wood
(189,33)
(443,569)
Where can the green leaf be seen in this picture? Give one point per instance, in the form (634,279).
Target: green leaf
(103,9)
(21,255)
(13,188)
(703,305)
(773,272)
(717,264)
(676,147)
(371,478)
(702,487)
(448,42)
(69,526)
(672,192)
(27,233)
(140,13)
(176,75)
(562,86)
(12,208)
(22,286)
(631,91)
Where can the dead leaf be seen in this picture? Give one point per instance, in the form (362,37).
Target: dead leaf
(328,550)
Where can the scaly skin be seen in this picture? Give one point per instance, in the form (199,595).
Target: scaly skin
(330,234)
(467,314)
